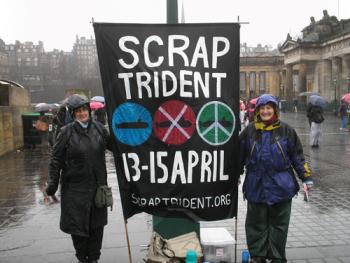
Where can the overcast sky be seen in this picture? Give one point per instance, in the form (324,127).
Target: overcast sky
(57,23)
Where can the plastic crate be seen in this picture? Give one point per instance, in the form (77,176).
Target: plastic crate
(218,245)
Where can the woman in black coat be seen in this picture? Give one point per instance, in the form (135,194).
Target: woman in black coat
(78,160)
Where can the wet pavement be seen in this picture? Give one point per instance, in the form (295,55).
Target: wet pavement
(319,229)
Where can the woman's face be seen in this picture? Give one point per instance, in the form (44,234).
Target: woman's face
(266,112)
(82,114)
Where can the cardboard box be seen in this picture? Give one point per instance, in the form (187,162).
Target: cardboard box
(218,245)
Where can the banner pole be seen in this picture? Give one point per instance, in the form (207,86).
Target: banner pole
(127,240)
(236,238)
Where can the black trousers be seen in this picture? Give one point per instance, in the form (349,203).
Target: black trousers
(267,230)
(88,248)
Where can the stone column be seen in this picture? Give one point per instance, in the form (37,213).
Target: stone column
(324,79)
(247,84)
(302,77)
(281,84)
(346,72)
(289,82)
(257,83)
(336,75)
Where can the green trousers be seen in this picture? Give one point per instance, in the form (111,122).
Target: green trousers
(267,230)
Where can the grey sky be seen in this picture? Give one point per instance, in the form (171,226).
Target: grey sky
(57,22)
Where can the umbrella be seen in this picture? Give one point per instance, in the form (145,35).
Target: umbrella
(95,105)
(346,98)
(253,101)
(98,99)
(54,106)
(42,107)
(318,101)
(308,93)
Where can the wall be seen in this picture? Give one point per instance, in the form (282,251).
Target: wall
(18,97)
(11,129)
(15,101)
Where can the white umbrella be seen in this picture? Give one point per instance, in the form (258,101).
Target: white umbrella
(308,93)
(98,99)
(42,107)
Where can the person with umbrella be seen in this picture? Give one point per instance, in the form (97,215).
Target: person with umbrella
(270,151)
(343,115)
(78,160)
(251,108)
(314,113)
(346,99)
(98,111)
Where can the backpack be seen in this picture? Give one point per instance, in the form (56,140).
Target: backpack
(317,117)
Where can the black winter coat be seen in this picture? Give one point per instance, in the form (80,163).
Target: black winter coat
(78,158)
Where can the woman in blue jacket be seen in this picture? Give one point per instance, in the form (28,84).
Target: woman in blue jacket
(271,153)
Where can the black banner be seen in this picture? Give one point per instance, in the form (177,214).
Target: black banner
(172,96)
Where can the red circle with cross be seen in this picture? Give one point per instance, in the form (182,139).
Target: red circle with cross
(174,122)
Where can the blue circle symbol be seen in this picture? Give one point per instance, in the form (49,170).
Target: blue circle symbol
(132,124)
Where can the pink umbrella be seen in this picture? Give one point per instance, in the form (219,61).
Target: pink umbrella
(95,105)
(346,98)
(253,101)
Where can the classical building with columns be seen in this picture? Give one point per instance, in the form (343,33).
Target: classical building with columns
(261,72)
(319,61)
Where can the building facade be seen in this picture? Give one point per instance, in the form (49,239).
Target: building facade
(4,61)
(261,71)
(25,65)
(319,61)
(86,61)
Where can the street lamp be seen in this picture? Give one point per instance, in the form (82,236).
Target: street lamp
(348,82)
(335,95)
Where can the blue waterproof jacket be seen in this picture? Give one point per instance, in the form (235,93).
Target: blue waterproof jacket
(270,157)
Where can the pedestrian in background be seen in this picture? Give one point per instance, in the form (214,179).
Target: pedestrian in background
(270,152)
(295,105)
(315,116)
(79,155)
(348,112)
(343,115)
(242,113)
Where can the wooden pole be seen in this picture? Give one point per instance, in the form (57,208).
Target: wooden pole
(127,240)
(236,238)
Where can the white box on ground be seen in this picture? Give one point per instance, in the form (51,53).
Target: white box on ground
(218,245)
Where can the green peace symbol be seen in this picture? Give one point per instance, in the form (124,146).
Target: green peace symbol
(215,123)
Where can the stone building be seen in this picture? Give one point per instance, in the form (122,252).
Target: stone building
(60,74)
(48,74)
(4,61)
(86,60)
(14,101)
(261,71)
(319,61)
(25,65)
